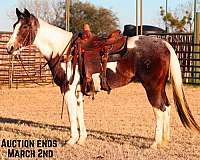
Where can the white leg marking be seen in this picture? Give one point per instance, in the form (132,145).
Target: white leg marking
(71,101)
(159,127)
(166,134)
(80,114)
(112,66)
(162,131)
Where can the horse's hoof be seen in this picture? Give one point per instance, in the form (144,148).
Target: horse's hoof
(163,145)
(82,141)
(72,141)
(154,146)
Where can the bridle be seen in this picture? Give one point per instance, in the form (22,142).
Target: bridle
(28,39)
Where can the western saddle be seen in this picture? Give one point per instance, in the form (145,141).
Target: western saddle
(92,54)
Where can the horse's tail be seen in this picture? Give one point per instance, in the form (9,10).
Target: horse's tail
(179,97)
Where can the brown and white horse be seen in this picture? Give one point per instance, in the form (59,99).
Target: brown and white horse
(150,60)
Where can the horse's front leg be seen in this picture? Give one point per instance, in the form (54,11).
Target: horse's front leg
(71,101)
(80,115)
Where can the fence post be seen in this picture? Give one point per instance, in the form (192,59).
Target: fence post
(196,54)
(11,72)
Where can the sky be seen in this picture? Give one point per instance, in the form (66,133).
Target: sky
(124,9)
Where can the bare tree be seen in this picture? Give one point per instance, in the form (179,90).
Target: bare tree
(40,8)
(180,19)
(101,20)
(175,23)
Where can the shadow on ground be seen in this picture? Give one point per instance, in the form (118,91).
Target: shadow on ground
(137,141)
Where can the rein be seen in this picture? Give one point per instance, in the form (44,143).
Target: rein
(27,41)
(22,64)
(74,37)
(72,40)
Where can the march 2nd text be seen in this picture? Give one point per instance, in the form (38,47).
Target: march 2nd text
(28,148)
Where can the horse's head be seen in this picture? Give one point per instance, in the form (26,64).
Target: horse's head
(25,30)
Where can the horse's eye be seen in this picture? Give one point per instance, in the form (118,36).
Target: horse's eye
(25,26)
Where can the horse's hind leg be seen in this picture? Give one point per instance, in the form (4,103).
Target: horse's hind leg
(162,131)
(167,113)
(161,108)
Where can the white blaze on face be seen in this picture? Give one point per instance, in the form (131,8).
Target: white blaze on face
(16,52)
(131,41)
(13,36)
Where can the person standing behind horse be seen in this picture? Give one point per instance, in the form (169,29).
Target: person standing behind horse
(89,40)
(86,35)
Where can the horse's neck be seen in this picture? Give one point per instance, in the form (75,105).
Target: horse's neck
(51,40)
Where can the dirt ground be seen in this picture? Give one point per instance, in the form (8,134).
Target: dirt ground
(120,125)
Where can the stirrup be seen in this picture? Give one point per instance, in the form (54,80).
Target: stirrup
(104,84)
(88,88)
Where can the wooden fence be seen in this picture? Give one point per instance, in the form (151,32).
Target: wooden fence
(13,74)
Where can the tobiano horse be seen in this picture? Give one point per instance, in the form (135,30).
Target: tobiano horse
(150,60)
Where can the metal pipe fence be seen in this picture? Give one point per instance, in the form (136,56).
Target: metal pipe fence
(12,72)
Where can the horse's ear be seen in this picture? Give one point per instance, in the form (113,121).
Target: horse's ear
(26,13)
(18,13)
